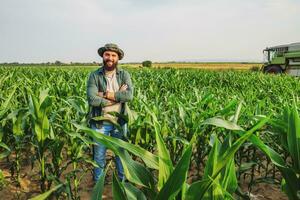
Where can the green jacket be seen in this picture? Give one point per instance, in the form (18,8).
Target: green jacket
(97,83)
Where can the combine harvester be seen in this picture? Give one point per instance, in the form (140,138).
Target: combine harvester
(282,59)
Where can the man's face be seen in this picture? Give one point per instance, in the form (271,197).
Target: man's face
(110,60)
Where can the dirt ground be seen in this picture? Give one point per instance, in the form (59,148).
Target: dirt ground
(30,189)
(30,186)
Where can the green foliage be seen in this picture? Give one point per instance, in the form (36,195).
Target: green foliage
(45,195)
(288,126)
(57,62)
(174,117)
(99,187)
(147,63)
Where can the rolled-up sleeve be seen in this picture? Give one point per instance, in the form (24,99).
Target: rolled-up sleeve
(92,92)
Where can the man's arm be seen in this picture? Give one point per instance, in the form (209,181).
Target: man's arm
(111,101)
(92,93)
(126,94)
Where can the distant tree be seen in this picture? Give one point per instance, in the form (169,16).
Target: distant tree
(147,63)
(57,62)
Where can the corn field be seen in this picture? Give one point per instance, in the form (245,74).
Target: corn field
(193,134)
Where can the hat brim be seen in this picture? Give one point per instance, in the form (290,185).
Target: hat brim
(120,52)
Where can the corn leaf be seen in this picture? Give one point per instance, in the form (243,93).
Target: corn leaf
(165,162)
(99,187)
(133,193)
(47,194)
(177,178)
(118,190)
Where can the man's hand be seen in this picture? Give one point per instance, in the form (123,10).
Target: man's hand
(100,94)
(123,87)
(110,96)
(110,103)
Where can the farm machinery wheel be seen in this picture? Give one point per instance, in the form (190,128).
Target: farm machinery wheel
(273,69)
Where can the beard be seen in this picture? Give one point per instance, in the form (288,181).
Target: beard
(109,68)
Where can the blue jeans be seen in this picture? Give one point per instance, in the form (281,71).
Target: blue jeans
(100,152)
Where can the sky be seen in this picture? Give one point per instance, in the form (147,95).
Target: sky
(157,30)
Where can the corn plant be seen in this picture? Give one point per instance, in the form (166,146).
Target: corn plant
(4,148)
(173,103)
(39,110)
(172,180)
(288,126)
(19,138)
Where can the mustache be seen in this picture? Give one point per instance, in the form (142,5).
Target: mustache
(106,61)
(111,67)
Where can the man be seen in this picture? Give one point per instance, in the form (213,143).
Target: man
(108,90)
